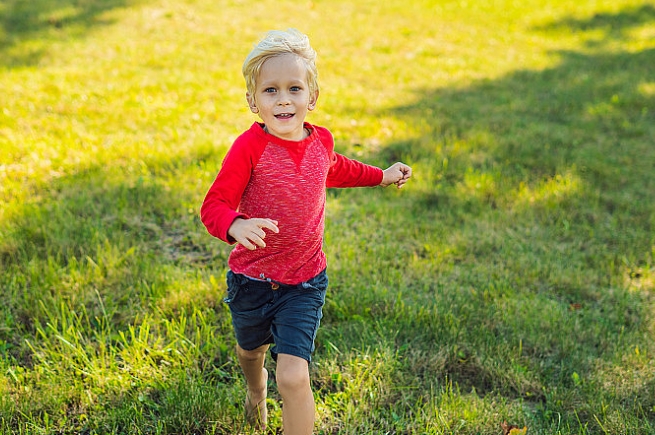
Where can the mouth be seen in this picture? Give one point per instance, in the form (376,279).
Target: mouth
(284,115)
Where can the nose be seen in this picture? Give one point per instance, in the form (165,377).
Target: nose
(283,99)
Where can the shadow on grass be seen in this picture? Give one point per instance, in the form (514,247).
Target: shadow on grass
(615,25)
(28,26)
(104,238)
(94,257)
(589,120)
(592,118)
(544,181)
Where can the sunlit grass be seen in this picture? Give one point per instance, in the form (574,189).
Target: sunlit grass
(510,280)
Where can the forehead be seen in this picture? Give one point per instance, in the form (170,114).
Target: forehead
(287,66)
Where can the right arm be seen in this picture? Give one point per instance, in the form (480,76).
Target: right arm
(219,211)
(219,208)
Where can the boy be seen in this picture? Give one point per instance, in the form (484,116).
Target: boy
(269,199)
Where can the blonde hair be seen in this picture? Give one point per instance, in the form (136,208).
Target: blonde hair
(276,43)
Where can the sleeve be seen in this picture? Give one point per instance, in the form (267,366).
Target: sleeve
(220,207)
(345,172)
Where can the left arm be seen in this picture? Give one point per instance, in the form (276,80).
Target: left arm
(345,172)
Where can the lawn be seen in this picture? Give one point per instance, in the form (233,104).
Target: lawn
(512,280)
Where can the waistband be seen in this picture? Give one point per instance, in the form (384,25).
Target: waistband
(275,285)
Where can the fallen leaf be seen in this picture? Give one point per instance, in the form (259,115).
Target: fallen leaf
(510,429)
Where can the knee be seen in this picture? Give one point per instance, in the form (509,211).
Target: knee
(251,355)
(292,379)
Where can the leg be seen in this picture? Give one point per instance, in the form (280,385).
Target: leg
(298,408)
(252,364)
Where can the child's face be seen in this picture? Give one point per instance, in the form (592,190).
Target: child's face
(282,96)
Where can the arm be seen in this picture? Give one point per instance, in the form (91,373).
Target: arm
(219,208)
(219,212)
(345,172)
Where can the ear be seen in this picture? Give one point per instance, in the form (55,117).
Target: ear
(252,103)
(312,101)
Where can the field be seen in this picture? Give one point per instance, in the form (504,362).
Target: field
(511,280)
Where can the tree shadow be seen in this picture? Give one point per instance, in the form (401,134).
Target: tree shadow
(568,155)
(615,25)
(100,239)
(27,26)
(587,117)
(593,114)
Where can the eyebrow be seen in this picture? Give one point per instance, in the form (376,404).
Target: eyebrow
(276,84)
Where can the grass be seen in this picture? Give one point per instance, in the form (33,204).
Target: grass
(511,280)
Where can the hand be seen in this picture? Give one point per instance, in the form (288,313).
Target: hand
(397,174)
(250,232)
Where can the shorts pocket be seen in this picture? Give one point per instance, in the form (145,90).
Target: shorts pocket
(319,282)
(245,295)
(235,283)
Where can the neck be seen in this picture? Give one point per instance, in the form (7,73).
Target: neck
(306,132)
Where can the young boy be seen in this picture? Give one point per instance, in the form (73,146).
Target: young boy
(269,199)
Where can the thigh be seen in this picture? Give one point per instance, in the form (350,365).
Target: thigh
(249,301)
(297,320)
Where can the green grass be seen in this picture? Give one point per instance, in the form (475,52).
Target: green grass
(512,280)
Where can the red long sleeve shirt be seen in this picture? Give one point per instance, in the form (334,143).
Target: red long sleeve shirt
(264,176)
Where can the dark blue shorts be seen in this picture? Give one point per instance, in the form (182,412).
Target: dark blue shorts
(283,315)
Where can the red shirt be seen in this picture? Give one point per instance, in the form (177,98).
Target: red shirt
(264,176)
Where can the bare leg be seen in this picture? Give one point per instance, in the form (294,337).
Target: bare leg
(252,364)
(298,408)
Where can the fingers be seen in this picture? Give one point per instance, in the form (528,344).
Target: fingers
(246,244)
(250,232)
(258,234)
(268,223)
(404,173)
(406,170)
(252,239)
(400,183)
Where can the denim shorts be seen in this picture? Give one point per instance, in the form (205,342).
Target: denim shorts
(286,316)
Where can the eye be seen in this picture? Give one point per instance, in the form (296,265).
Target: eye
(296,89)
(269,90)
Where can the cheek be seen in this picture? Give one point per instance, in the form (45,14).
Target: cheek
(303,102)
(263,105)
